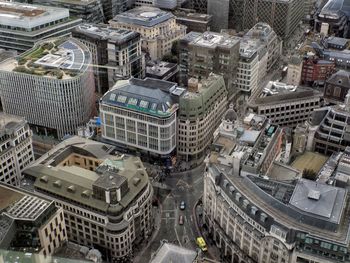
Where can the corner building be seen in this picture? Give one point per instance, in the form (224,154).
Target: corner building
(106,197)
(51,85)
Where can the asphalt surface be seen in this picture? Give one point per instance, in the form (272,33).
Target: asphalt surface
(186,187)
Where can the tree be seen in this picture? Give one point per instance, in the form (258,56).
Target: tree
(309,174)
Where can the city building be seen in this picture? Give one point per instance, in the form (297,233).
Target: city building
(333,19)
(329,129)
(248,143)
(164,4)
(196,22)
(294,71)
(162,70)
(22,25)
(90,11)
(140,115)
(254,217)
(16,151)
(158,29)
(337,87)
(204,53)
(168,252)
(285,105)
(283,16)
(116,53)
(29,224)
(106,197)
(316,71)
(267,36)
(341,58)
(252,66)
(200,112)
(200,6)
(336,42)
(51,86)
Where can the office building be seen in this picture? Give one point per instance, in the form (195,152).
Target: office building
(202,54)
(162,70)
(31,228)
(248,143)
(316,71)
(337,87)
(254,219)
(197,22)
(200,112)
(252,66)
(285,105)
(341,58)
(294,71)
(267,36)
(200,6)
(333,19)
(106,197)
(116,53)
(23,25)
(51,86)
(336,43)
(16,151)
(283,16)
(158,29)
(164,4)
(140,115)
(329,129)
(89,11)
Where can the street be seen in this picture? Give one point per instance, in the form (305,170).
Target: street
(186,187)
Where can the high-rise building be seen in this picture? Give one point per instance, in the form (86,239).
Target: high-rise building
(200,112)
(283,16)
(141,115)
(90,11)
(16,151)
(158,29)
(22,25)
(285,105)
(116,53)
(193,21)
(29,224)
(202,54)
(106,197)
(51,85)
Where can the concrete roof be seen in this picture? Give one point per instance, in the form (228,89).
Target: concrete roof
(319,199)
(169,253)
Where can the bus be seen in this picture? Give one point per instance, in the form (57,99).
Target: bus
(201,244)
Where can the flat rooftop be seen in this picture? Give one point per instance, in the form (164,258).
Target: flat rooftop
(319,199)
(310,160)
(29,16)
(213,40)
(143,16)
(106,32)
(8,197)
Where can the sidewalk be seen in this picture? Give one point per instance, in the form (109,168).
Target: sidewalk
(138,258)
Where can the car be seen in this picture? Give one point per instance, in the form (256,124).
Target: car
(182,205)
(181,220)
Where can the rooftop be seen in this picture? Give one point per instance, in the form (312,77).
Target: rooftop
(10,123)
(175,254)
(143,16)
(214,40)
(105,32)
(161,68)
(151,96)
(29,16)
(183,14)
(54,58)
(262,31)
(336,41)
(310,160)
(341,77)
(319,199)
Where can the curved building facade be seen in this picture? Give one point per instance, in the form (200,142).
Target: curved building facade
(51,85)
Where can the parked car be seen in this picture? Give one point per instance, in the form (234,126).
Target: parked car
(181,220)
(182,205)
